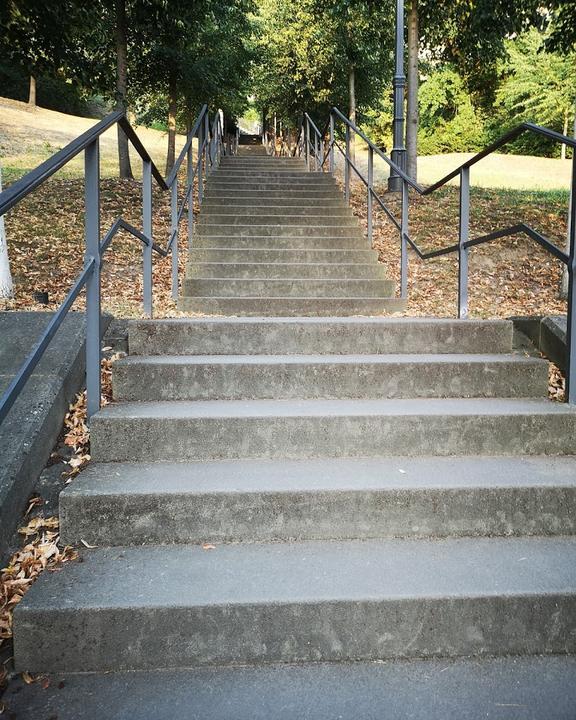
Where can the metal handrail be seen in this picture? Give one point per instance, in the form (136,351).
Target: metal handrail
(464,241)
(210,148)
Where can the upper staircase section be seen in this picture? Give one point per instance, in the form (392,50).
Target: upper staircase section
(275,239)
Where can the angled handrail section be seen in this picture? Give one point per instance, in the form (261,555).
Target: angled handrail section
(211,146)
(319,146)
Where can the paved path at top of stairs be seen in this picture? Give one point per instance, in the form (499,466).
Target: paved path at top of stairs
(303,490)
(274,239)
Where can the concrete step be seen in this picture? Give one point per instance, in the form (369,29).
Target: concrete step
(246,228)
(305,185)
(212,211)
(287,288)
(259,200)
(330,335)
(530,687)
(226,429)
(310,219)
(279,238)
(236,377)
(276,193)
(267,500)
(278,270)
(251,256)
(291,306)
(266,175)
(136,608)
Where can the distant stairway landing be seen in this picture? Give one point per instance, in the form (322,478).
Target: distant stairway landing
(276,240)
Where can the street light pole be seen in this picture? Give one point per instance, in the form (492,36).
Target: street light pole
(398,154)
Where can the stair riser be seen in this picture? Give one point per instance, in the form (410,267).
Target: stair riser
(141,381)
(265,175)
(302,186)
(149,439)
(280,242)
(223,337)
(306,288)
(295,204)
(138,519)
(135,638)
(244,193)
(313,218)
(246,256)
(291,307)
(279,270)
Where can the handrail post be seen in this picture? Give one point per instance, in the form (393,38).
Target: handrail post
(307,143)
(369,191)
(463,237)
(315,151)
(190,191)
(404,231)
(571,315)
(347,166)
(92,250)
(200,139)
(147,230)
(174,236)
(331,149)
(206,144)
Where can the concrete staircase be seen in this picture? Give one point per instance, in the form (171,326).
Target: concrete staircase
(274,239)
(308,490)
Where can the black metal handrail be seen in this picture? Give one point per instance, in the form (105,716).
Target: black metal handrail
(210,148)
(464,241)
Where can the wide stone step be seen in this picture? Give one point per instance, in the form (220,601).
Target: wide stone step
(219,194)
(182,606)
(278,270)
(348,228)
(305,185)
(226,429)
(289,241)
(329,335)
(286,203)
(288,175)
(236,377)
(311,219)
(251,256)
(291,306)
(265,500)
(461,689)
(220,212)
(288,288)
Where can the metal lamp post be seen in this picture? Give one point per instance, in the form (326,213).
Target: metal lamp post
(398,154)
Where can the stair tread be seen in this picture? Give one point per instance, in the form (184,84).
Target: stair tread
(527,688)
(315,475)
(181,409)
(307,572)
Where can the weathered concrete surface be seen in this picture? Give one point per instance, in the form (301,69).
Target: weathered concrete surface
(180,606)
(291,306)
(309,230)
(259,336)
(536,688)
(287,288)
(279,255)
(262,500)
(278,270)
(222,429)
(28,434)
(230,377)
(553,339)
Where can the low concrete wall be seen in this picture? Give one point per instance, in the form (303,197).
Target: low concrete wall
(548,334)
(29,433)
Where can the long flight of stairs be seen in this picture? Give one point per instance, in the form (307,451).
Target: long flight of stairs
(395,497)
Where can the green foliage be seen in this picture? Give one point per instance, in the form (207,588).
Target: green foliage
(449,122)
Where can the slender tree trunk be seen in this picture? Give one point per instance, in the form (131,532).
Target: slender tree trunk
(121,86)
(564,281)
(32,93)
(413,80)
(352,110)
(6,289)
(172,108)
(565,132)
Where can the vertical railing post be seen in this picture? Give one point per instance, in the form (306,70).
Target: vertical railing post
(331,143)
(190,191)
(207,143)
(347,166)
(147,230)
(200,137)
(174,235)
(463,237)
(92,251)
(316,148)
(571,315)
(307,143)
(404,232)
(369,191)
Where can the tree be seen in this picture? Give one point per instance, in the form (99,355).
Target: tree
(5,275)
(122,85)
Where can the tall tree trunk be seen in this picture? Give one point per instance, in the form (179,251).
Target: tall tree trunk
(32,93)
(6,290)
(413,80)
(565,132)
(122,85)
(352,110)
(172,108)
